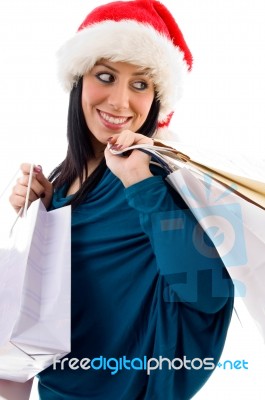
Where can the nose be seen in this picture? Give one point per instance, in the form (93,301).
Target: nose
(119,96)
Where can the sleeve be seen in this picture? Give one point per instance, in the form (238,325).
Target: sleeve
(185,255)
(195,293)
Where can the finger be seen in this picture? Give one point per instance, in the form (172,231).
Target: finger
(21,192)
(44,182)
(25,168)
(18,198)
(128,138)
(46,188)
(36,187)
(18,202)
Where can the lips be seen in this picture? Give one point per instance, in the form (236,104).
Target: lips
(113,120)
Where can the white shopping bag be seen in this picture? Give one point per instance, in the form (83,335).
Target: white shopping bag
(35,287)
(236,227)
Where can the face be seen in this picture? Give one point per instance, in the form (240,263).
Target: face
(115,96)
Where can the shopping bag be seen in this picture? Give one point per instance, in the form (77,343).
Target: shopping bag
(236,228)
(250,189)
(35,290)
(231,213)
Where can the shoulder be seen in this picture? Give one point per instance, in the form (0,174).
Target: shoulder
(159,171)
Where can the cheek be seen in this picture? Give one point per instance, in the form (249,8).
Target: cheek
(144,105)
(89,97)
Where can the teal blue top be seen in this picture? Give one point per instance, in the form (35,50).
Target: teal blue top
(141,289)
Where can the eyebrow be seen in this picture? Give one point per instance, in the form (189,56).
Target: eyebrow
(138,73)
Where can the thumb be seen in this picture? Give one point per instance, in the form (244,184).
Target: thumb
(45,183)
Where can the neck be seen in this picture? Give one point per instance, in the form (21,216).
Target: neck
(98,149)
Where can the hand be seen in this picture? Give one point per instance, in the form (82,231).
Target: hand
(134,167)
(40,188)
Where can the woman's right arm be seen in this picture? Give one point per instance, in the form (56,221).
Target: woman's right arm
(40,188)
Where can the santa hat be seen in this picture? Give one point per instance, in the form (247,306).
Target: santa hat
(141,32)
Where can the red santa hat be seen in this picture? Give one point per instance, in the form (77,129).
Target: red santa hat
(140,32)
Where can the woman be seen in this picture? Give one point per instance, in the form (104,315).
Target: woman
(150,312)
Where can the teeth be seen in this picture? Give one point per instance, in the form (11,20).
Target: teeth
(113,120)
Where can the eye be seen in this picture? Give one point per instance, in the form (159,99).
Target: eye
(105,77)
(140,85)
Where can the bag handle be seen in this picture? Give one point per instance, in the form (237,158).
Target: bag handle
(249,189)
(25,208)
(23,211)
(163,155)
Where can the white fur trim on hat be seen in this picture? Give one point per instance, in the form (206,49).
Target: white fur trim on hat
(129,41)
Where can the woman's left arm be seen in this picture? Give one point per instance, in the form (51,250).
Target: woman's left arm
(185,255)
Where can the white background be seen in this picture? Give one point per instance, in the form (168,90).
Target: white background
(222,108)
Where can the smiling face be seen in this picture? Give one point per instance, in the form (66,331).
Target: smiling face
(115,96)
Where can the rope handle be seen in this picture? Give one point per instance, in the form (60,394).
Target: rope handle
(161,154)
(23,211)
